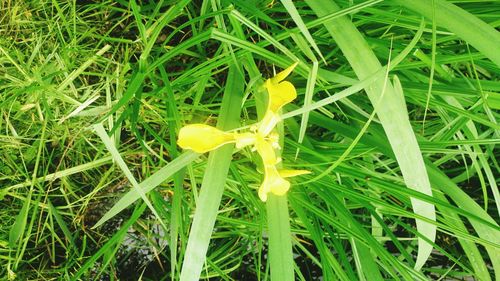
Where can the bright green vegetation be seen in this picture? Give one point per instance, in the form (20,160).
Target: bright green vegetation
(396,118)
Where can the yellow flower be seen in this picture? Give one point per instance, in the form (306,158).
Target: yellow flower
(202,138)
(274,181)
(279,93)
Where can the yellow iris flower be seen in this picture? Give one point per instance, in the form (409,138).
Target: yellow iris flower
(202,138)
(279,93)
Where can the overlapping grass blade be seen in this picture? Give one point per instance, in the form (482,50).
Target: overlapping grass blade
(394,118)
(111,246)
(292,11)
(110,145)
(465,25)
(148,184)
(214,180)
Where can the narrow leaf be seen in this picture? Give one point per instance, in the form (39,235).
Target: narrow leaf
(288,4)
(393,117)
(213,183)
(465,25)
(148,184)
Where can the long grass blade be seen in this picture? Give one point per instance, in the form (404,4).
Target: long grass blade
(280,243)
(213,183)
(465,25)
(110,145)
(393,117)
(110,245)
(290,7)
(148,184)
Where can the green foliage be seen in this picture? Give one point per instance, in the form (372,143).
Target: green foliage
(396,117)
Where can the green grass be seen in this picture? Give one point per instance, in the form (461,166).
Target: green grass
(396,118)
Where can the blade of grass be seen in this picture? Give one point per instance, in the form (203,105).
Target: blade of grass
(156,28)
(466,203)
(471,133)
(148,184)
(23,244)
(280,243)
(290,7)
(110,145)
(440,181)
(179,49)
(213,183)
(465,25)
(356,87)
(176,216)
(64,173)
(136,83)
(17,232)
(470,249)
(71,77)
(62,224)
(311,82)
(112,242)
(393,117)
(365,263)
(262,33)
(327,257)
(344,222)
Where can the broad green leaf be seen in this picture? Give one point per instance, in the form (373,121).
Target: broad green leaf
(213,183)
(280,244)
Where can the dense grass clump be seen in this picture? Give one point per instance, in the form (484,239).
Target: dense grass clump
(396,118)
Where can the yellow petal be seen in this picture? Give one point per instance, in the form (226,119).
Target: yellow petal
(244,139)
(280,94)
(273,183)
(292,173)
(202,138)
(284,73)
(265,150)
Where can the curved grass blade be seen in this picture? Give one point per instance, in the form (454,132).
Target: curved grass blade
(290,7)
(148,184)
(393,117)
(465,25)
(111,243)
